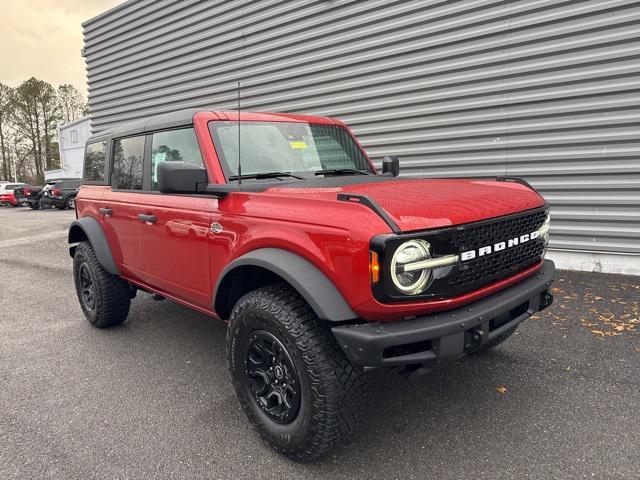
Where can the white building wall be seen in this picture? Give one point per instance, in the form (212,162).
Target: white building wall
(72,138)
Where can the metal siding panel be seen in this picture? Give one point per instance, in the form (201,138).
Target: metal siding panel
(545,89)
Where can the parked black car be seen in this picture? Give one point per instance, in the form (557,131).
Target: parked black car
(33,195)
(61,194)
(21,194)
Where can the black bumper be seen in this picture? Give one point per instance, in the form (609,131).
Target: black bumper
(446,334)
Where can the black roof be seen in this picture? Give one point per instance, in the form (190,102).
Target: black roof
(157,122)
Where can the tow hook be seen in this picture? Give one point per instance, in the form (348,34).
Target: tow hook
(545,301)
(474,337)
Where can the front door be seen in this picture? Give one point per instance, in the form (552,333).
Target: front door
(175,245)
(174,231)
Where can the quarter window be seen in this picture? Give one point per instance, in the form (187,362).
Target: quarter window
(173,146)
(128,154)
(94,161)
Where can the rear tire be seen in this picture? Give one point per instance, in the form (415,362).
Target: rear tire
(104,298)
(274,334)
(494,342)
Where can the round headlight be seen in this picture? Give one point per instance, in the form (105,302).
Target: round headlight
(544,233)
(410,282)
(546,226)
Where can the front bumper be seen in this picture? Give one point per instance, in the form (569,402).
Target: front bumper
(446,334)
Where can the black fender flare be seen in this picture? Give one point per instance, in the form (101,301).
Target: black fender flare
(89,228)
(311,283)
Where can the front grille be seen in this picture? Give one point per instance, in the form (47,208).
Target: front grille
(469,275)
(490,232)
(487,269)
(499,265)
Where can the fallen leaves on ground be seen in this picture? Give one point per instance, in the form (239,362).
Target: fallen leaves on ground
(501,389)
(603,308)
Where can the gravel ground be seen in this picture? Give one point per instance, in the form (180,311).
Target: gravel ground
(152,399)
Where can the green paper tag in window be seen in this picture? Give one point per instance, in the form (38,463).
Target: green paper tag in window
(298,145)
(158,157)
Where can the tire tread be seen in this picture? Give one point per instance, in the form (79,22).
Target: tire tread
(113,294)
(338,388)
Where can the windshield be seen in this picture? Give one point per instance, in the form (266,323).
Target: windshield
(300,148)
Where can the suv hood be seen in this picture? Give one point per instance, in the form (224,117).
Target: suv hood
(418,204)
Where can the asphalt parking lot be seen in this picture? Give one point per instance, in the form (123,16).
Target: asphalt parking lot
(151,399)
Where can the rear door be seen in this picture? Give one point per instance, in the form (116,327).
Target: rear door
(175,236)
(120,207)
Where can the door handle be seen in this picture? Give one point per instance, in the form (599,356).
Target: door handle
(107,212)
(147,218)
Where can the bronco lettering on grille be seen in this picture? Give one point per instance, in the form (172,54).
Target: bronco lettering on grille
(496,247)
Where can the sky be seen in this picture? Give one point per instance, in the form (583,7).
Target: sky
(43,38)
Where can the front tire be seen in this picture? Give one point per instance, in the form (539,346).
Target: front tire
(105,299)
(293,381)
(70,203)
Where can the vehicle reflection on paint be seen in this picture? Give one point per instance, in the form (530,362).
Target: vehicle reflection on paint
(187,229)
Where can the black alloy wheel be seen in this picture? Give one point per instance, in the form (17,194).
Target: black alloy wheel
(273,379)
(87,287)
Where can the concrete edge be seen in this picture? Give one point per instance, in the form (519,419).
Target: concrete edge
(627,264)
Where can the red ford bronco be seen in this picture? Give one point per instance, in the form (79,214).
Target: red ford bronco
(322,267)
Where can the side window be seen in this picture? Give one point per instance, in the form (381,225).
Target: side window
(127,163)
(173,146)
(95,156)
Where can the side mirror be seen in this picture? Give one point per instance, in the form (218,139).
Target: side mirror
(181,177)
(391,165)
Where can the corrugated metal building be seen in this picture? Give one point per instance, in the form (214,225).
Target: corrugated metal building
(544,89)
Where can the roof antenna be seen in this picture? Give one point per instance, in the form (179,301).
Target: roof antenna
(239,163)
(243,66)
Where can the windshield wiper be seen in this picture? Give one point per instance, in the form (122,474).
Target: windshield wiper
(342,171)
(262,175)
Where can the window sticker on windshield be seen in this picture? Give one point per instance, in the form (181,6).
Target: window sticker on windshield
(298,145)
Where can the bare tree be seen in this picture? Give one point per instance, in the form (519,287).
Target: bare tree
(29,117)
(72,103)
(50,109)
(6,105)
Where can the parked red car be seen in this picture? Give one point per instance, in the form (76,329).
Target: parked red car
(7,196)
(323,267)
